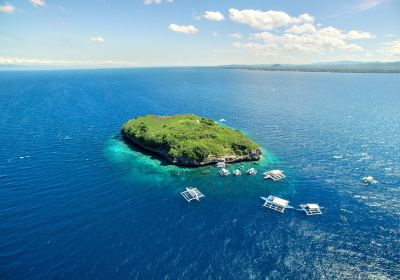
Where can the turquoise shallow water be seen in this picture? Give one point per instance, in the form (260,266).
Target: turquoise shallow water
(76,202)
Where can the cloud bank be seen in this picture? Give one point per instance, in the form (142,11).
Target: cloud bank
(293,34)
(52,62)
(391,48)
(266,20)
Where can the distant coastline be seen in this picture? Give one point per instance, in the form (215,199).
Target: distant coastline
(335,67)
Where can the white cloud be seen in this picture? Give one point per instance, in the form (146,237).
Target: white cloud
(258,49)
(313,41)
(215,16)
(358,35)
(267,20)
(301,34)
(300,29)
(149,2)
(304,18)
(215,34)
(236,36)
(391,48)
(7,8)
(52,62)
(97,39)
(264,36)
(351,47)
(188,29)
(38,3)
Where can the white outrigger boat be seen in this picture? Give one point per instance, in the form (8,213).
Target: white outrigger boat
(251,171)
(276,203)
(237,172)
(221,164)
(311,209)
(224,172)
(192,194)
(275,175)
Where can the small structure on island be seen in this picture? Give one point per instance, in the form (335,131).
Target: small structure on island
(275,175)
(237,172)
(221,164)
(276,203)
(251,171)
(369,180)
(311,209)
(224,172)
(192,194)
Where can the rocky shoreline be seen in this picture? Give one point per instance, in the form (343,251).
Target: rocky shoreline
(254,156)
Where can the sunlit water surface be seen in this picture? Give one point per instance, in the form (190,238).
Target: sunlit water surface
(76,202)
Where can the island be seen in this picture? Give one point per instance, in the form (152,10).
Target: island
(190,140)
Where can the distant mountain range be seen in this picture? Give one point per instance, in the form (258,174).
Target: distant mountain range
(338,66)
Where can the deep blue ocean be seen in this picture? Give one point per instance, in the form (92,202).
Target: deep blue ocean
(76,202)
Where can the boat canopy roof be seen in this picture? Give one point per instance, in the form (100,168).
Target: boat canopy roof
(193,191)
(191,194)
(312,206)
(280,201)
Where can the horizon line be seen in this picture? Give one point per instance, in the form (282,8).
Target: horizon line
(13,66)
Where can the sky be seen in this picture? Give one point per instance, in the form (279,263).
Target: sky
(118,33)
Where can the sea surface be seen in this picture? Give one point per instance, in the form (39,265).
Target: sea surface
(77,202)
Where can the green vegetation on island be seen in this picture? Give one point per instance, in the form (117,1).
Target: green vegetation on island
(190,140)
